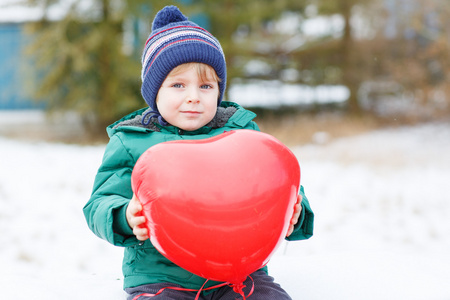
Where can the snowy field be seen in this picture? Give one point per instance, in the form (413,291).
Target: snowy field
(382,230)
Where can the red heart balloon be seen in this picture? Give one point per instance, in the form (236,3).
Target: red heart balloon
(218,207)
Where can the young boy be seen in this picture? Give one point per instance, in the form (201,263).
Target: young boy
(183,82)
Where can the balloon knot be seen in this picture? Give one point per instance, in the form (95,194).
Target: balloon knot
(238,288)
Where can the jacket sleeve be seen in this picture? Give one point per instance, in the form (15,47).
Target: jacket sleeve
(105,211)
(304,228)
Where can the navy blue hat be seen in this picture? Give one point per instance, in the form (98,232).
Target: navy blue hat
(174,41)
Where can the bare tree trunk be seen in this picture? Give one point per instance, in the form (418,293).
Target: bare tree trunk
(350,78)
(105,65)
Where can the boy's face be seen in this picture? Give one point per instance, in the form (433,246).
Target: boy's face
(187,101)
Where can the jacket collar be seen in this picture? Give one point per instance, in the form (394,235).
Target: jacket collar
(229,113)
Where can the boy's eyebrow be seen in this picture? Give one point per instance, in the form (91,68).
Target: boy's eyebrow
(209,80)
(176,77)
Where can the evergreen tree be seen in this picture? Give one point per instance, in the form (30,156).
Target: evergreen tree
(82,63)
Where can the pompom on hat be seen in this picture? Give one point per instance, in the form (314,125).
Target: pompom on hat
(174,41)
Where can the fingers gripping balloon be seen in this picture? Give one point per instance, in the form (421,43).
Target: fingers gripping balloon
(218,207)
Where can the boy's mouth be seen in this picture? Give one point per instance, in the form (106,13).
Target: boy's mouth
(191,112)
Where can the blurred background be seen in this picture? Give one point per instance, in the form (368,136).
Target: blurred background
(345,65)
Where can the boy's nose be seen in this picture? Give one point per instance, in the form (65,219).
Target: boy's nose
(192,96)
(193,100)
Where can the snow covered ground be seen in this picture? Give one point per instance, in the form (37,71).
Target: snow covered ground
(382,228)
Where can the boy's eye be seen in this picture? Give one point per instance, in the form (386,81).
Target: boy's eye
(177,85)
(206,86)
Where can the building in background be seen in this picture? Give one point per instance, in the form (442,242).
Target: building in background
(14,84)
(13,64)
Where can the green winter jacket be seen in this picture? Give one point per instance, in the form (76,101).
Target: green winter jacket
(105,211)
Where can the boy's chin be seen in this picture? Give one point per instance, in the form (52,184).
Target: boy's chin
(192,126)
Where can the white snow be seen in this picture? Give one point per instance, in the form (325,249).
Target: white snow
(274,94)
(382,228)
(19,11)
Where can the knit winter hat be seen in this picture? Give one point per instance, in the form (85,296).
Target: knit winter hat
(174,41)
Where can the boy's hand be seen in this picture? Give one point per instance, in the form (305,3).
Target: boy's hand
(136,220)
(295,216)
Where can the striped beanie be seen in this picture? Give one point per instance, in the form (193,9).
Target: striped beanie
(174,41)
